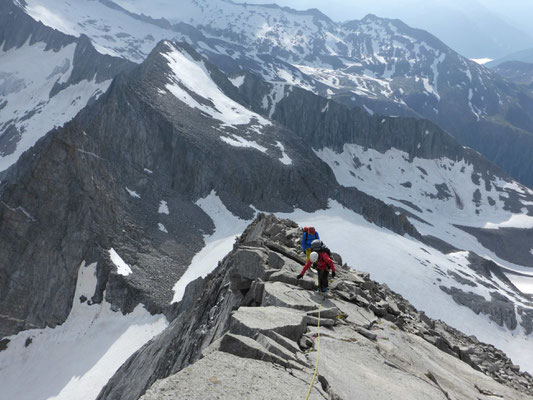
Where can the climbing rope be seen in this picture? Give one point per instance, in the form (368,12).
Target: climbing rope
(317,353)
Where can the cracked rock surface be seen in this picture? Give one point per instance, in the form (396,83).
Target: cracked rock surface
(373,343)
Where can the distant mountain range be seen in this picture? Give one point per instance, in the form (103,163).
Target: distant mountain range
(195,119)
(382,65)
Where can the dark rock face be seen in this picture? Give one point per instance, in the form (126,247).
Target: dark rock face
(66,201)
(511,244)
(499,308)
(16,27)
(516,71)
(218,314)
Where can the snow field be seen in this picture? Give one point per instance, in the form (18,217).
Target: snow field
(217,245)
(27,85)
(76,359)
(191,76)
(382,174)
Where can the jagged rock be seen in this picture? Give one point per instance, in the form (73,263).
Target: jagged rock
(367,334)
(290,278)
(379,311)
(282,295)
(305,343)
(283,341)
(225,376)
(326,312)
(313,321)
(275,348)
(499,309)
(250,321)
(351,365)
(245,347)
(254,295)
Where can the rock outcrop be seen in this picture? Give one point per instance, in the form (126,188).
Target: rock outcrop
(250,329)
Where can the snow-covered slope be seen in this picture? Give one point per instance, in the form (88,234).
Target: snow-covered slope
(442,196)
(380,64)
(76,359)
(46,78)
(29,110)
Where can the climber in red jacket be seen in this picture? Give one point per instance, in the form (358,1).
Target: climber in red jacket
(323,264)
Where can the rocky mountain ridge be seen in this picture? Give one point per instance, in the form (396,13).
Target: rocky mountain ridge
(103,191)
(251,322)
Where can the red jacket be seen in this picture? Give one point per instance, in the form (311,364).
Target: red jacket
(323,262)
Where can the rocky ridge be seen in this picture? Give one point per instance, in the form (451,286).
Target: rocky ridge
(250,327)
(97,183)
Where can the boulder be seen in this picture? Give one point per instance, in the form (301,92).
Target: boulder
(289,277)
(250,321)
(280,294)
(246,347)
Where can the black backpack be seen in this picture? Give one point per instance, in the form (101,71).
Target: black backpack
(322,249)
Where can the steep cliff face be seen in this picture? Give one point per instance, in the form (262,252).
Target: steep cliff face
(250,327)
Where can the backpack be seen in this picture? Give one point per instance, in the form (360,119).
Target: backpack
(325,249)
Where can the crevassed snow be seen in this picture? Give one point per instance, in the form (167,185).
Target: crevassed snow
(76,359)
(26,85)
(163,208)
(122,268)
(411,269)
(192,76)
(133,193)
(217,245)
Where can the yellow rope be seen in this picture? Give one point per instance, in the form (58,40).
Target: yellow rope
(317,355)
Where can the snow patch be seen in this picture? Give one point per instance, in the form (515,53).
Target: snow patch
(192,76)
(285,159)
(76,359)
(122,268)
(133,193)
(368,110)
(217,245)
(521,221)
(163,208)
(237,81)
(238,141)
(161,227)
(482,61)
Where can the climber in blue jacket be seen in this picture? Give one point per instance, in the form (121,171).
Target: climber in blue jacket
(309,235)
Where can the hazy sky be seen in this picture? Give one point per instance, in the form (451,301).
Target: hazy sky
(475,28)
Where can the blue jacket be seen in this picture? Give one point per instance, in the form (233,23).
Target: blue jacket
(307,239)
